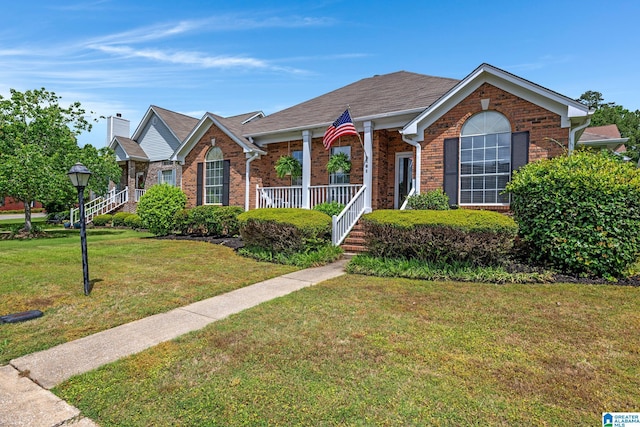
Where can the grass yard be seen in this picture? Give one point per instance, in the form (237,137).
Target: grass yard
(370,351)
(133,276)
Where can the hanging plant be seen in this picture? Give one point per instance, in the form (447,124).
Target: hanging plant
(288,166)
(339,163)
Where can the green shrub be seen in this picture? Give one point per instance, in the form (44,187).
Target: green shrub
(209,220)
(119,219)
(158,206)
(579,213)
(181,222)
(102,220)
(433,200)
(133,221)
(285,230)
(329,208)
(477,237)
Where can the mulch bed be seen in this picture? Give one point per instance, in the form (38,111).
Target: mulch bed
(234,243)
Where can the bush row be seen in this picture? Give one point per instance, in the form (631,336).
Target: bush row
(208,220)
(121,219)
(478,237)
(285,230)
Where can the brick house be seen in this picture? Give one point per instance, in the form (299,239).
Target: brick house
(416,133)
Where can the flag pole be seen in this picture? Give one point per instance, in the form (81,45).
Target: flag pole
(359,139)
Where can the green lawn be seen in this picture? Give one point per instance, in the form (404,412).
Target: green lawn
(133,276)
(368,351)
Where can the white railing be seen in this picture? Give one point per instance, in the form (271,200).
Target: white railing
(344,222)
(279,197)
(139,193)
(291,197)
(341,193)
(406,200)
(101,205)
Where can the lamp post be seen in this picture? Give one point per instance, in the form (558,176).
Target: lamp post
(79,176)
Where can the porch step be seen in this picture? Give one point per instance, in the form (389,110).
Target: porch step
(355,242)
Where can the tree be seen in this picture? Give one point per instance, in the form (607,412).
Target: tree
(609,113)
(38,146)
(591,99)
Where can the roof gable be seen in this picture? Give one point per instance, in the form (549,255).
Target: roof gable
(568,109)
(180,125)
(231,126)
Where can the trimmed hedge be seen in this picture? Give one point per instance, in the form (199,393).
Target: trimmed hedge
(209,220)
(119,219)
(579,213)
(133,221)
(285,230)
(102,220)
(481,238)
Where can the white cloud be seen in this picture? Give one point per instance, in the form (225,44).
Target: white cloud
(184,57)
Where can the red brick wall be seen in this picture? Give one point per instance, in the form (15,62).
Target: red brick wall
(232,152)
(9,204)
(542,125)
(319,159)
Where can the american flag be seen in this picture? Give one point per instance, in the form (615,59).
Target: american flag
(342,126)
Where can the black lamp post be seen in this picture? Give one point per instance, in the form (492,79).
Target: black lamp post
(79,176)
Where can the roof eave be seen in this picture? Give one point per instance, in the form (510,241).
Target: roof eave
(323,125)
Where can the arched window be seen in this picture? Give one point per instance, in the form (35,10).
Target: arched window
(485,159)
(213,179)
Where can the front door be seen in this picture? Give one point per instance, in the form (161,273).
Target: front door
(404,177)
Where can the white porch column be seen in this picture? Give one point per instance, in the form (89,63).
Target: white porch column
(368,165)
(306,168)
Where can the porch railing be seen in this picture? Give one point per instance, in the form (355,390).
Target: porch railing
(341,193)
(279,197)
(344,222)
(291,197)
(139,193)
(101,205)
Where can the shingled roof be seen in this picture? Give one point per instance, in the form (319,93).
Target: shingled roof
(380,95)
(131,148)
(180,124)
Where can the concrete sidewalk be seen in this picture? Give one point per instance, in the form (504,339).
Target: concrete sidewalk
(24,396)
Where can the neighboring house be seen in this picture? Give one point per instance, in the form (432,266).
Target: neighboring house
(145,157)
(10,204)
(416,133)
(607,136)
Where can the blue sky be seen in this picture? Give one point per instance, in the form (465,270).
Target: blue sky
(119,56)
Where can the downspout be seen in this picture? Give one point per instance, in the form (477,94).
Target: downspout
(247,178)
(418,148)
(572,135)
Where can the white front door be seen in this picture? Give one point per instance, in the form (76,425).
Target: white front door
(404,177)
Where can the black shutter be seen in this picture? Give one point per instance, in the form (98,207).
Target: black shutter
(519,149)
(451,169)
(226,169)
(199,183)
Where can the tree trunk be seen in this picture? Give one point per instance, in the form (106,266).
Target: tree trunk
(27,217)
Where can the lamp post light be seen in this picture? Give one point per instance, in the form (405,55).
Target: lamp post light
(79,176)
